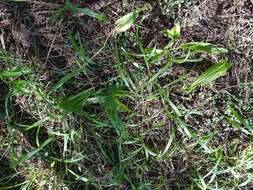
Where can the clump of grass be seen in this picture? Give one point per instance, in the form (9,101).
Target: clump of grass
(145,127)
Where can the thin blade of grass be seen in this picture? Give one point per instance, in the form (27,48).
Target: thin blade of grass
(171,138)
(29,155)
(64,80)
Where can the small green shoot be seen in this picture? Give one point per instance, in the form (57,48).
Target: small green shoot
(174,33)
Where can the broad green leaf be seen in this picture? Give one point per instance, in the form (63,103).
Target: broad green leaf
(203,47)
(116,92)
(116,121)
(111,103)
(126,22)
(74,103)
(109,99)
(211,74)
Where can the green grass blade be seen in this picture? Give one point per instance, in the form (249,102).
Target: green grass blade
(211,74)
(14,72)
(116,121)
(64,80)
(74,103)
(171,138)
(160,72)
(29,155)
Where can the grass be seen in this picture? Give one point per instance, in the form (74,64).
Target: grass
(158,119)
